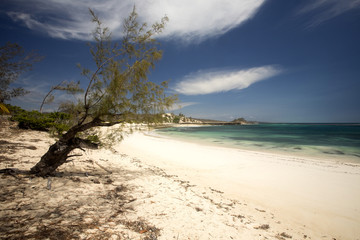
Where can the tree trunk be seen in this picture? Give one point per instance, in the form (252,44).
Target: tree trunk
(55,156)
(59,151)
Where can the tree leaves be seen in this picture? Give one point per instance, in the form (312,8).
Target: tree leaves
(118,87)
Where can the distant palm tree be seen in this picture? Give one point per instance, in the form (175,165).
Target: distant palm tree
(4,109)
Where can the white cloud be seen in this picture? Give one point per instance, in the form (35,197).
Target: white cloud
(189,20)
(206,82)
(329,9)
(182,105)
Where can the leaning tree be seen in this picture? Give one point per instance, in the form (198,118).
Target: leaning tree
(117,90)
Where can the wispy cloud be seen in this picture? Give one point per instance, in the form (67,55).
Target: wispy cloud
(328,9)
(189,20)
(36,93)
(182,105)
(33,99)
(206,82)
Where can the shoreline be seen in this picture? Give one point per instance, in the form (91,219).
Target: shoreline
(289,156)
(322,195)
(318,152)
(310,153)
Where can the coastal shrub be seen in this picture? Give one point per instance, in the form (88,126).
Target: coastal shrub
(56,122)
(14,109)
(176,119)
(93,139)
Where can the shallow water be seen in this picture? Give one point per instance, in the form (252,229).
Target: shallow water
(336,141)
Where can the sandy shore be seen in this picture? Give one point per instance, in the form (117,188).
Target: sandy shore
(155,188)
(311,197)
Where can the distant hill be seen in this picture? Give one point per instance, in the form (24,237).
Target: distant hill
(238,121)
(243,121)
(182,119)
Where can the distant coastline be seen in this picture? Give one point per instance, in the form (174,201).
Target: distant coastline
(181,119)
(315,123)
(218,122)
(238,121)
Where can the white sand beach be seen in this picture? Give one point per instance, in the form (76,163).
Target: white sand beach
(320,198)
(148,187)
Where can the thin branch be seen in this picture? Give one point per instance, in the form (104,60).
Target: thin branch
(93,78)
(87,107)
(98,100)
(48,94)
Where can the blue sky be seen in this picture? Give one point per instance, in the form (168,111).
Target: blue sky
(265,60)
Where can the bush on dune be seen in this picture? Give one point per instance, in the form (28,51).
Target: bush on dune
(57,122)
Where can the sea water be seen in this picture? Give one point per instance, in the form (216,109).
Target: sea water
(331,141)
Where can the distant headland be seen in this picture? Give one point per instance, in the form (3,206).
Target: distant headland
(182,119)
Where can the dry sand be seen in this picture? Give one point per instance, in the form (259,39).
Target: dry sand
(309,197)
(155,188)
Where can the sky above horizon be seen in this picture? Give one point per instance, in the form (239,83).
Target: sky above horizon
(264,60)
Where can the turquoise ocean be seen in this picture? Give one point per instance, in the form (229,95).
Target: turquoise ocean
(339,142)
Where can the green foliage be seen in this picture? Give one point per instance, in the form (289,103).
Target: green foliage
(93,138)
(3,109)
(40,121)
(177,119)
(119,88)
(14,110)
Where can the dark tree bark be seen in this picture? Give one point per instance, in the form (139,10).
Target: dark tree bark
(56,156)
(58,153)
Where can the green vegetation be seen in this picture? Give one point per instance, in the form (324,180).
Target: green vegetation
(93,139)
(3,109)
(176,119)
(55,121)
